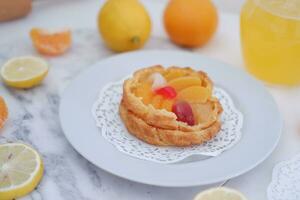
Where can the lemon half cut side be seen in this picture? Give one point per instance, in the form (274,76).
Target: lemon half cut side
(220,193)
(21,169)
(24,72)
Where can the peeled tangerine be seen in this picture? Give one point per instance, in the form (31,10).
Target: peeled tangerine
(195,94)
(184,82)
(51,43)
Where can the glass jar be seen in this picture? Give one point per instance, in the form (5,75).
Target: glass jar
(270,36)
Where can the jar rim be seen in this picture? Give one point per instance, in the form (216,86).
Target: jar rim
(283,8)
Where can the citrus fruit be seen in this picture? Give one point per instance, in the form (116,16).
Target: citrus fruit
(3,112)
(21,169)
(24,72)
(190,23)
(124,24)
(51,43)
(220,193)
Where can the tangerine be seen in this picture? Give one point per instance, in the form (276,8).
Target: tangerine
(51,43)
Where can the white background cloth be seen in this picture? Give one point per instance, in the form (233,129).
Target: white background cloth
(225,46)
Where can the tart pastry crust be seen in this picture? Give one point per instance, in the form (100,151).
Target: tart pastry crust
(159,126)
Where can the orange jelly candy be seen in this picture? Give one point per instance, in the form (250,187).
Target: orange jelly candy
(194,94)
(184,82)
(49,43)
(3,112)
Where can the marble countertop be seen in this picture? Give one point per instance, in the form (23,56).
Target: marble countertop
(34,113)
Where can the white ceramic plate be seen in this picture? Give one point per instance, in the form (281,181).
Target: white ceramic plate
(260,133)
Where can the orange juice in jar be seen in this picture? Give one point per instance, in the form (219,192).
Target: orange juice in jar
(270,35)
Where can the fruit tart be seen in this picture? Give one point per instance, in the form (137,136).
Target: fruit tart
(170,106)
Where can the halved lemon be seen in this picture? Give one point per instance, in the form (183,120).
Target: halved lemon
(24,72)
(220,193)
(21,169)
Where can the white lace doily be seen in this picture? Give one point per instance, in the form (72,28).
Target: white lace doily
(106,114)
(285,183)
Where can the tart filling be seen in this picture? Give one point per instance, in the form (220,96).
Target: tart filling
(173,100)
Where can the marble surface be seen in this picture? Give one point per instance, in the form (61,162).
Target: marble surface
(34,113)
(34,120)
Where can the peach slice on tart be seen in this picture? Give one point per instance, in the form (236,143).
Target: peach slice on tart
(195,94)
(184,82)
(173,74)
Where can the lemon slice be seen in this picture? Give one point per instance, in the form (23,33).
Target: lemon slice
(24,72)
(21,169)
(220,193)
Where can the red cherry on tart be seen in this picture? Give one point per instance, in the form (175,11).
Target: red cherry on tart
(167,92)
(184,112)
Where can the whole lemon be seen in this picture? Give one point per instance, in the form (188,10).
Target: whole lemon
(124,24)
(190,23)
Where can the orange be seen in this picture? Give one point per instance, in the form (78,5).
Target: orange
(3,112)
(51,43)
(194,94)
(190,23)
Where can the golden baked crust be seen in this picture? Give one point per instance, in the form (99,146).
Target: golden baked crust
(159,126)
(165,137)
